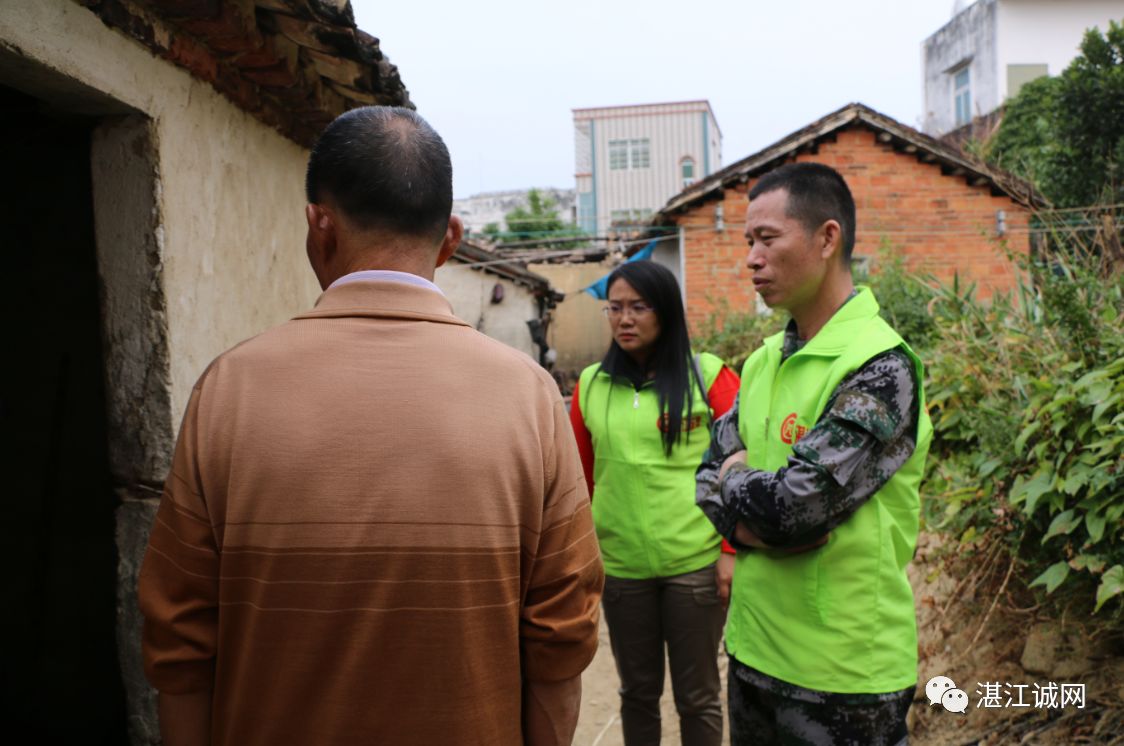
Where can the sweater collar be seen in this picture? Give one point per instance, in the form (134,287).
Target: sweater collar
(383,299)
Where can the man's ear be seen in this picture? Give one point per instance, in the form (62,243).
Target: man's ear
(320,242)
(321,229)
(831,235)
(452,240)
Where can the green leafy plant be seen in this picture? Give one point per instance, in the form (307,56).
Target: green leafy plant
(903,297)
(1027,399)
(734,335)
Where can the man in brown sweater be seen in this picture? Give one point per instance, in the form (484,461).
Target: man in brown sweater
(376,528)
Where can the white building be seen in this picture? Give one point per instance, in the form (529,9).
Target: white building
(629,160)
(990,48)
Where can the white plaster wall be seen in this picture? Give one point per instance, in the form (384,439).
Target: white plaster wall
(470,292)
(969,35)
(579,331)
(230,188)
(667,254)
(715,135)
(1047,32)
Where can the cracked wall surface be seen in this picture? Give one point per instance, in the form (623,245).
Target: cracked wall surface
(200,239)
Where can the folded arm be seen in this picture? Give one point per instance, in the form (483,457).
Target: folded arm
(866,432)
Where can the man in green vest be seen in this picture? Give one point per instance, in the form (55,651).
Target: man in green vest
(825,448)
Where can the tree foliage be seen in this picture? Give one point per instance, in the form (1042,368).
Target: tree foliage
(1066,134)
(538,220)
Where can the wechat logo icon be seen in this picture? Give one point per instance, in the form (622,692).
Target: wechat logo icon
(942,690)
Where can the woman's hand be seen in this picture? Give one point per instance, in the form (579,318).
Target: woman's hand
(724,577)
(747,537)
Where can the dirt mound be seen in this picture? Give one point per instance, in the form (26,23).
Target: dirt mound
(1029,678)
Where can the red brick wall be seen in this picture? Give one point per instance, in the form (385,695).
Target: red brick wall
(940,225)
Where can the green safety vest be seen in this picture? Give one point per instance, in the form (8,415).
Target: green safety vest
(644,500)
(839,618)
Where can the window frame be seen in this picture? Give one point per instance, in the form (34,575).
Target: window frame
(687,163)
(618,155)
(962,95)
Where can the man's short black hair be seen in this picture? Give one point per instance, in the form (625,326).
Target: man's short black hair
(385,168)
(816,194)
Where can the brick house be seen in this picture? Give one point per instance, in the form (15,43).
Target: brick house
(943,212)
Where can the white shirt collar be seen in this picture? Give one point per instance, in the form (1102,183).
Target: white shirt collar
(387,275)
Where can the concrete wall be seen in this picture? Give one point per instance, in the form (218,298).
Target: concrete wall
(1045,32)
(970,37)
(470,292)
(579,331)
(939,224)
(667,254)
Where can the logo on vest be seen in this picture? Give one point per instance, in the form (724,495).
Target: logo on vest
(688,424)
(790,431)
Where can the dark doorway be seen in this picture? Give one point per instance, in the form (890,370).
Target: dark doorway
(62,677)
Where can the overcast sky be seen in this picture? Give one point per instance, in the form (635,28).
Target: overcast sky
(498,78)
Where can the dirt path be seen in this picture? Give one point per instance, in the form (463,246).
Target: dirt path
(599,723)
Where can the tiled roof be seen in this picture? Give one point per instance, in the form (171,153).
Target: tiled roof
(489,261)
(900,137)
(293,64)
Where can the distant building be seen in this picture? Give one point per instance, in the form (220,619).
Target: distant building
(491,207)
(630,159)
(991,48)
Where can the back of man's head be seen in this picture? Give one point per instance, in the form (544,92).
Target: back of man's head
(385,169)
(816,194)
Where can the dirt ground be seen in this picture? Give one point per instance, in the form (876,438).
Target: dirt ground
(599,723)
(969,636)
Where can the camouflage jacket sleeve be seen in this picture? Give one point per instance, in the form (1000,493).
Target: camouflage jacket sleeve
(724,441)
(865,434)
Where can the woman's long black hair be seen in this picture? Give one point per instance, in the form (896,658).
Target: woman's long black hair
(671,353)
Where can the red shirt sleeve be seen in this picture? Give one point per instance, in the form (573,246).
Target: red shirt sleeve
(721,395)
(585,440)
(723,391)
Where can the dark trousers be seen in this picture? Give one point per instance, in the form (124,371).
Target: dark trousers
(759,717)
(682,612)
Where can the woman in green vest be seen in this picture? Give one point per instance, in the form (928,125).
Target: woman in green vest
(641,417)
